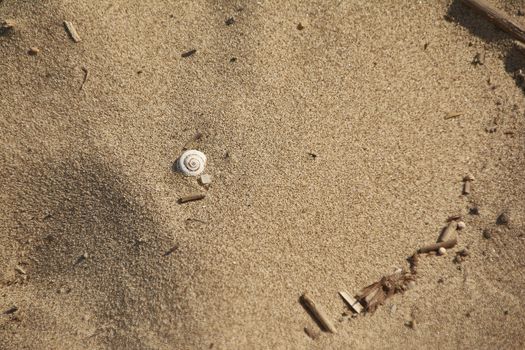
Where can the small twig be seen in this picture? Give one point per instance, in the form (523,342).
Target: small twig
(353,303)
(72,31)
(451,115)
(447,231)
(11,310)
(317,313)
(171,250)
(435,247)
(191,198)
(86,74)
(188,53)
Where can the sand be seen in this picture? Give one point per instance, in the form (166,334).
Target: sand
(331,157)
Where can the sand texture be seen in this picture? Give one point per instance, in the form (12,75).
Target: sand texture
(333,159)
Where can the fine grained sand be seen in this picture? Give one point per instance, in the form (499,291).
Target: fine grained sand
(365,86)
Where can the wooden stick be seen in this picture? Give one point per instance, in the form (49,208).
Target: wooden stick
(434,247)
(447,232)
(354,304)
(72,31)
(319,314)
(191,198)
(499,18)
(86,74)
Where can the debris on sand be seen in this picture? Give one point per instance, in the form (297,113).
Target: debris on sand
(353,303)
(11,310)
(33,51)
(188,53)
(499,18)
(317,313)
(6,26)
(435,247)
(479,59)
(229,21)
(192,198)
(205,179)
(70,28)
(503,219)
(451,115)
(466,184)
(375,294)
(447,232)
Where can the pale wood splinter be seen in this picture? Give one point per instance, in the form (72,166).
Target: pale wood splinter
(318,313)
(72,31)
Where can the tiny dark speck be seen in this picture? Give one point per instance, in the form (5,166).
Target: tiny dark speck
(313,155)
(230,21)
(188,53)
(473,211)
(233,59)
(300,26)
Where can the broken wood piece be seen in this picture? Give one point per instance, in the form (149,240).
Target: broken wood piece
(72,31)
(191,198)
(171,250)
(466,184)
(447,231)
(86,74)
(317,313)
(502,20)
(20,270)
(451,115)
(11,310)
(435,247)
(375,294)
(188,53)
(353,303)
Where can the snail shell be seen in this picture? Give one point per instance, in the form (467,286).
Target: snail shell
(191,163)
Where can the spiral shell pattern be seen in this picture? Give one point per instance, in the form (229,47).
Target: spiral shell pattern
(191,163)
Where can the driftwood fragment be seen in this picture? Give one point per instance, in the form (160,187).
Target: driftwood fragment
(375,294)
(502,20)
(353,303)
(70,28)
(435,247)
(317,313)
(191,198)
(447,231)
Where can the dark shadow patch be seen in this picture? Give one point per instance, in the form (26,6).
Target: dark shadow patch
(81,223)
(474,22)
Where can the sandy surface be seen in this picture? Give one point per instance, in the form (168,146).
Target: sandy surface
(365,86)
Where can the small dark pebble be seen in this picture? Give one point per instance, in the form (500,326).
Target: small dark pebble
(229,21)
(505,312)
(441,280)
(300,26)
(139,72)
(473,211)
(503,219)
(189,53)
(233,59)
(487,234)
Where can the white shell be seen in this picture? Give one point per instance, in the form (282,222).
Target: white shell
(191,163)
